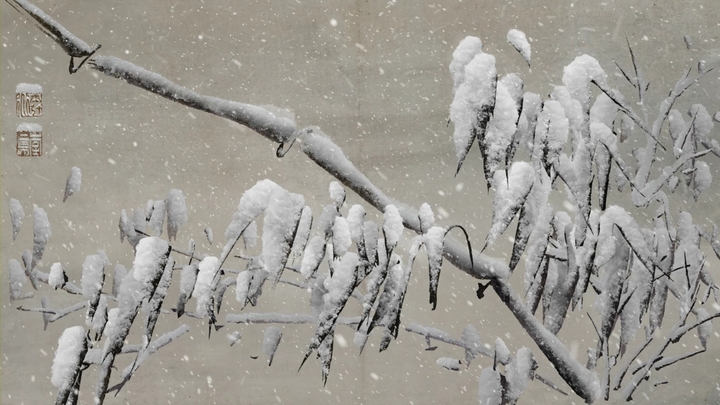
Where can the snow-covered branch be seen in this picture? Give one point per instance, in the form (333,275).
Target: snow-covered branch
(279,318)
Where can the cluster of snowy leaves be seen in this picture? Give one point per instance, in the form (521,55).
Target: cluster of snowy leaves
(572,139)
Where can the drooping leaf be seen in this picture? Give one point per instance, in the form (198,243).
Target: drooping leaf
(435,247)
(73,183)
(340,287)
(303,233)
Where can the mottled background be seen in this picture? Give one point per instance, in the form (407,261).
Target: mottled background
(373,75)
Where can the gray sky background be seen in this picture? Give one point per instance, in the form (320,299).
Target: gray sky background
(374,76)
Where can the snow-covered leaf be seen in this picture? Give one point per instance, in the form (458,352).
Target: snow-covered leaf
(282,217)
(176,212)
(271,341)
(704,330)
(392,227)
(303,233)
(519,41)
(73,183)
(426,216)
(205,286)
(157,217)
(490,391)
(473,104)
(314,253)
(449,363)
(16,216)
(41,234)
(17,279)
(510,193)
(57,277)
(234,337)
(337,193)
(500,129)
(435,247)
(471,339)
(71,350)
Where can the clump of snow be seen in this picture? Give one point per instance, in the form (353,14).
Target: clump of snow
(234,337)
(449,363)
(510,193)
(203,291)
(56,278)
(355,219)
(99,319)
(471,339)
(93,276)
(28,88)
(118,275)
(502,353)
(337,193)
(500,129)
(519,41)
(341,237)
(281,220)
(176,212)
(468,48)
(703,178)
(187,279)
(157,218)
(271,341)
(17,279)
(72,346)
(704,330)
(73,183)
(392,226)
(242,286)
(426,216)
(252,203)
(341,280)
(490,390)
(150,257)
(16,215)
(578,75)
(314,253)
(41,234)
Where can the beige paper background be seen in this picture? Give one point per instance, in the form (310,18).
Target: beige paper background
(378,83)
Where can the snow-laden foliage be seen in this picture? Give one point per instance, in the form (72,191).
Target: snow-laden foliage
(578,249)
(73,183)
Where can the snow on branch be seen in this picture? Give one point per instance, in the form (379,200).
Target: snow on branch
(278,318)
(260,120)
